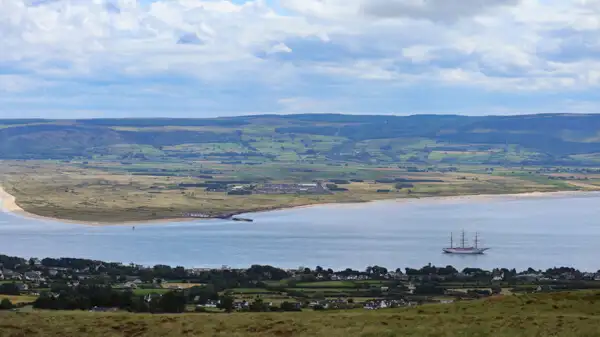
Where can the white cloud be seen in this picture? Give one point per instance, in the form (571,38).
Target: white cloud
(279,48)
(208,50)
(437,10)
(18,83)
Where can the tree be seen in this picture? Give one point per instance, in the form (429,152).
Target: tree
(226,303)
(173,301)
(318,295)
(201,295)
(258,305)
(289,306)
(6,304)
(9,289)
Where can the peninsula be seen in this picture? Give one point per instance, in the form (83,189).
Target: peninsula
(114,171)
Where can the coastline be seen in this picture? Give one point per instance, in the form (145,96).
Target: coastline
(8,204)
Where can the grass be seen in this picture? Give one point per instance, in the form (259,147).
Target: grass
(106,192)
(19,299)
(559,314)
(326,284)
(150,291)
(181,285)
(250,291)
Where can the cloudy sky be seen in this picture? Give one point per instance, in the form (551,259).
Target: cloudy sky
(198,58)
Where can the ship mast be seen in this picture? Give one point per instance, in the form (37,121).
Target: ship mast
(476,240)
(463,239)
(451,241)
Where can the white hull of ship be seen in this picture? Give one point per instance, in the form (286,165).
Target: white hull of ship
(472,251)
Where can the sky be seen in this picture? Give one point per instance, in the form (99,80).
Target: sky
(207,58)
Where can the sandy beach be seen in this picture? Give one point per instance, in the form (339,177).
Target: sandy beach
(9,204)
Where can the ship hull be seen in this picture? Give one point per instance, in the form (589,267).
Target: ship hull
(465,251)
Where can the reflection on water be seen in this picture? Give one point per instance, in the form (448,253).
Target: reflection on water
(522,233)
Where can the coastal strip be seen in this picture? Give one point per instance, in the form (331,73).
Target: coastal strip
(9,204)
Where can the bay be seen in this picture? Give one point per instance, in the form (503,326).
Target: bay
(522,232)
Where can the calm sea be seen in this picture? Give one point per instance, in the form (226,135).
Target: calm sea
(537,232)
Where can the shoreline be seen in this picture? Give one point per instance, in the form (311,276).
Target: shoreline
(8,204)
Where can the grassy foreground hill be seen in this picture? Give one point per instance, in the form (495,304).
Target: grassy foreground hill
(554,314)
(492,140)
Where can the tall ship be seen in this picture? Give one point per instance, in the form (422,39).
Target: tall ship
(463,249)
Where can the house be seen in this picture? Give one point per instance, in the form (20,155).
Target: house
(567,276)
(54,271)
(498,278)
(149,297)
(130,285)
(208,304)
(241,305)
(543,288)
(33,276)
(11,275)
(380,304)
(530,277)
(22,286)
(397,276)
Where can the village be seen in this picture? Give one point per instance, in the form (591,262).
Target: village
(266,288)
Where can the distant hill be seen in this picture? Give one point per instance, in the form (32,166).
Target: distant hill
(544,139)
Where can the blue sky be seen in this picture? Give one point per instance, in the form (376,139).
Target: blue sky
(205,58)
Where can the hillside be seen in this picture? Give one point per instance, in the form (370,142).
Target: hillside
(555,314)
(421,139)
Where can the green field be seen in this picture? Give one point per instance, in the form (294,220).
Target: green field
(543,139)
(150,291)
(326,284)
(557,314)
